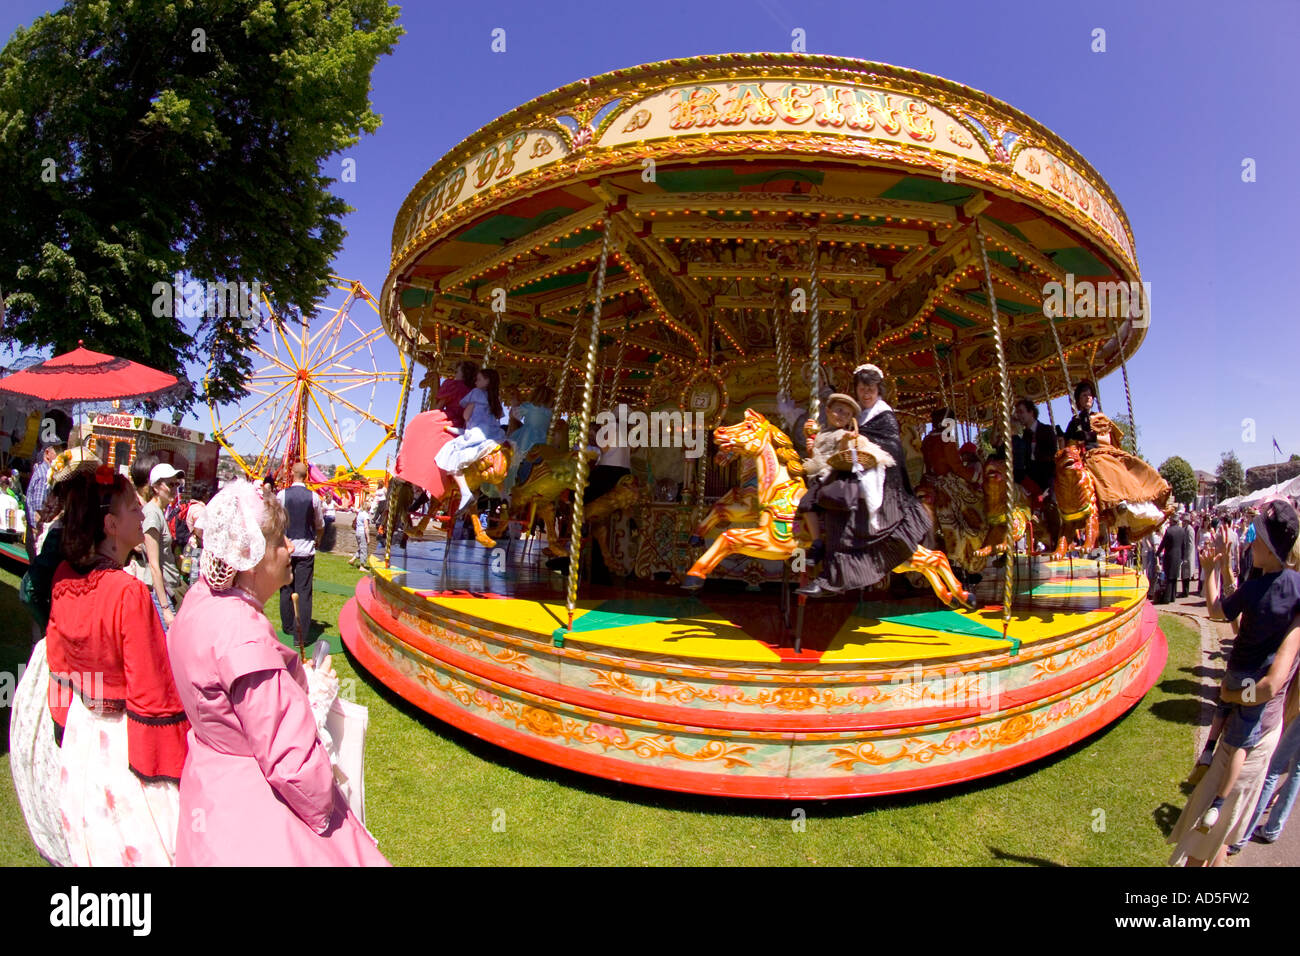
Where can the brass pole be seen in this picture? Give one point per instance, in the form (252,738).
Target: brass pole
(584,425)
(1005,382)
(401,427)
(814,398)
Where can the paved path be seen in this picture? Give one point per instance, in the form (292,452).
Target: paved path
(1214,634)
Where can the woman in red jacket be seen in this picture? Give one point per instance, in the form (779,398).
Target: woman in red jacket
(112,696)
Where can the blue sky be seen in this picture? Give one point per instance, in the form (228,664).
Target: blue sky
(1183,93)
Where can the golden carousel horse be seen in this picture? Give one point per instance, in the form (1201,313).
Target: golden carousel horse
(780,487)
(627,495)
(490,469)
(1021,523)
(554,472)
(1076,498)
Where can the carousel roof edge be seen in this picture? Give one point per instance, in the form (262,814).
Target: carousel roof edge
(675,71)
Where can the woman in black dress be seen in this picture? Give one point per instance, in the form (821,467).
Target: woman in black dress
(888,524)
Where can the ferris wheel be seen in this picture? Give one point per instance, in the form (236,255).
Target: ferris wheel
(314,386)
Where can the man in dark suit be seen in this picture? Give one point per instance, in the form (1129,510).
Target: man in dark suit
(1173,550)
(1033,454)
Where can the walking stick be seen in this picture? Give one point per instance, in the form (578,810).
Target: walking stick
(297,628)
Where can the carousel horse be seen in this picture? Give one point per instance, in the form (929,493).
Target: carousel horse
(401,494)
(627,495)
(737,505)
(554,472)
(489,469)
(957,517)
(1022,521)
(780,487)
(1076,497)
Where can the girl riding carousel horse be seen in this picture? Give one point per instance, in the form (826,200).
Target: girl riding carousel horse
(482,432)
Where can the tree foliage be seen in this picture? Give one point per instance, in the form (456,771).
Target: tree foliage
(142,139)
(1131,434)
(1181,477)
(1230,479)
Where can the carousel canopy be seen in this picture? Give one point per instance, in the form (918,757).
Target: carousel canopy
(721,175)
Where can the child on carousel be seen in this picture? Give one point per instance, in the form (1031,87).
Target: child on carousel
(482,412)
(886,523)
(841,418)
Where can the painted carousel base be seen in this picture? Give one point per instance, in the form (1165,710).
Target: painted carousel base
(698,694)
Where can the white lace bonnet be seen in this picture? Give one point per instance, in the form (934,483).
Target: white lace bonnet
(232,536)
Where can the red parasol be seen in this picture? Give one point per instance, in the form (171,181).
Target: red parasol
(83,376)
(425,434)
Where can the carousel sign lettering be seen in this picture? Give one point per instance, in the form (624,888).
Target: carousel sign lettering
(796,104)
(502,160)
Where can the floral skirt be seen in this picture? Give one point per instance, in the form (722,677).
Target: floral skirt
(111,817)
(34,759)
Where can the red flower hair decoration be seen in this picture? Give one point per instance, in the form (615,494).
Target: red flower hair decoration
(104,475)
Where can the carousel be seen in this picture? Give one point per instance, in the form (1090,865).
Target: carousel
(689,257)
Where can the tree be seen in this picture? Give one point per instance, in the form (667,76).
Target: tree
(145,139)
(1181,477)
(1131,434)
(1230,479)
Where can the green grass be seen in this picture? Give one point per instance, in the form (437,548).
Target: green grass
(434,793)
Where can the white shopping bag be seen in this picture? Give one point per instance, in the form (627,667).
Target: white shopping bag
(347,723)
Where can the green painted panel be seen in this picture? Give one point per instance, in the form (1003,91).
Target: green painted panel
(501,228)
(726,179)
(914,189)
(1081,262)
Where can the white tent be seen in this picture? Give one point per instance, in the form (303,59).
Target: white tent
(1272,491)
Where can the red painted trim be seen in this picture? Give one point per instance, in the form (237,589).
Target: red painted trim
(738,785)
(746,720)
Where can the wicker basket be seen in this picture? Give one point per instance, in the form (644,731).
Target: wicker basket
(869,454)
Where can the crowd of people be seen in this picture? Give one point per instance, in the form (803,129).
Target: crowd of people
(159,720)
(158,694)
(1254,738)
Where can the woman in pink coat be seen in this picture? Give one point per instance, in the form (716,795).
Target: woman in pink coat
(257,788)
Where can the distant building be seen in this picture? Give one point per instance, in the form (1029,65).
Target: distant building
(1205,482)
(119,439)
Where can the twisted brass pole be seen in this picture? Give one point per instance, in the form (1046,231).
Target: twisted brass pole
(496,321)
(1065,369)
(814,399)
(1128,392)
(1005,382)
(401,427)
(584,425)
(562,379)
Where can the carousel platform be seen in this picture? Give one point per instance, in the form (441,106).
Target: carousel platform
(705,694)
